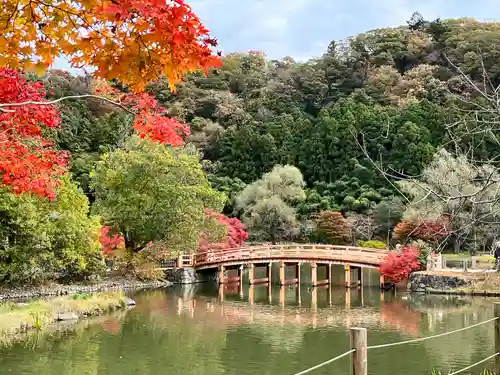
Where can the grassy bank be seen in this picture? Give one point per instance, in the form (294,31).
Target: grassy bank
(482,283)
(19,317)
(477,283)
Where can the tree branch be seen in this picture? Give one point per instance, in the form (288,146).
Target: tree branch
(3,106)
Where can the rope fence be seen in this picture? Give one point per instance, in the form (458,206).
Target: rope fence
(326,362)
(430,337)
(359,348)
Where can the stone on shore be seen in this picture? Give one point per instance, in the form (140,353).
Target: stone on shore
(129,301)
(64,316)
(423,282)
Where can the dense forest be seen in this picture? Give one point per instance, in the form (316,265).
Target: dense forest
(390,136)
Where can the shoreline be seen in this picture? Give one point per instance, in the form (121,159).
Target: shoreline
(55,289)
(457,293)
(481,284)
(17,319)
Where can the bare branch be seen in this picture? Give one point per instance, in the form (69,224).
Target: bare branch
(3,106)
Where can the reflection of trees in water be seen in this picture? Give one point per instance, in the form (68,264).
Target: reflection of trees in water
(168,333)
(286,337)
(463,347)
(397,315)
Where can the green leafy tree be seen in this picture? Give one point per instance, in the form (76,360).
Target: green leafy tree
(266,204)
(386,215)
(151,192)
(42,239)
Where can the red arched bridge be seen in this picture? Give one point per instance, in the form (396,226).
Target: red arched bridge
(294,255)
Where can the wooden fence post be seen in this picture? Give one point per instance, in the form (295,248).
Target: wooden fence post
(497,337)
(359,364)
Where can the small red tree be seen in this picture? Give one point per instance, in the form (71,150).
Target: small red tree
(236,234)
(398,265)
(333,226)
(110,241)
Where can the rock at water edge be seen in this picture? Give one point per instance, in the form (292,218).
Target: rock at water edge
(129,302)
(67,316)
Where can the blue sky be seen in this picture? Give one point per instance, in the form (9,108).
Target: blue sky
(303,28)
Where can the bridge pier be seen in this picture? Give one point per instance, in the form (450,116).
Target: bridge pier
(359,276)
(314,275)
(251,273)
(283,280)
(382,282)
(347,275)
(226,280)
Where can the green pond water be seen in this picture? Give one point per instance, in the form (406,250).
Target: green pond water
(202,329)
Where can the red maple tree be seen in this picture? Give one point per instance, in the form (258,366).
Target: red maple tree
(236,234)
(397,266)
(110,241)
(27,160)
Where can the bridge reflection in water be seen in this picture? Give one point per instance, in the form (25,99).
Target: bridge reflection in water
(321,306)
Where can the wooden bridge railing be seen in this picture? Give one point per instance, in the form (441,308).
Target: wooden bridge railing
(367,256)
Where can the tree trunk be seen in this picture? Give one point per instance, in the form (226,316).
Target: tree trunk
(273,236)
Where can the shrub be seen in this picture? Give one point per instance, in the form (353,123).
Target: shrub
(110,241)
(424,250)
(398,265)
(235,233)
(43,239)
(374,244)
(333,227)
(145,268)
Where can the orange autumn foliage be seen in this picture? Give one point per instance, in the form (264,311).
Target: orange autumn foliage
(133,41)
(427,230)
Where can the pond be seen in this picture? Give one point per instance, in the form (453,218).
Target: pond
(202,329)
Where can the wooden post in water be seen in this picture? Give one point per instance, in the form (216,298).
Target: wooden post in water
(269,292)
(221,275)
(221,292)
(297,272)
(359,364)
(282,296)
(251,273)
(251,297)
(269,272)
(240,274)
(314,299)
(330,274)
(497,337)
(382,281)
(347,275)
(282,273)
(314,273)
(298,296)
(360,276)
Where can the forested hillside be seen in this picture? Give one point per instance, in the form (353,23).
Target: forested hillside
(375,108)
(391,135)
